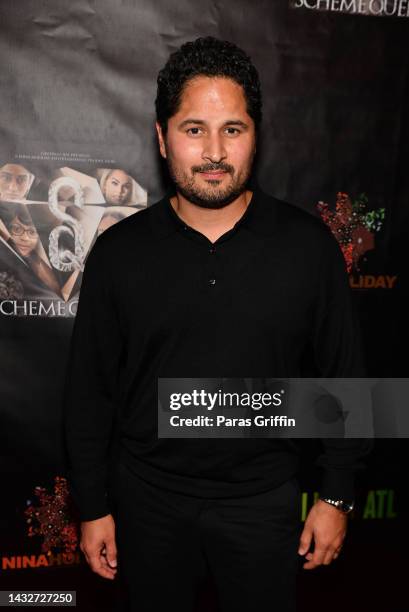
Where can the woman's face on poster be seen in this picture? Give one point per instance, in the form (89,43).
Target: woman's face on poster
(25,237)
(118,187)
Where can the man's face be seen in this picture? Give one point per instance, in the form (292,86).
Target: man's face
(118,187)
(15,182)
(25,237)
(210,142)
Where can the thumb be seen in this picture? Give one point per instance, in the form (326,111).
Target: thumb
(111,554)
(305,541)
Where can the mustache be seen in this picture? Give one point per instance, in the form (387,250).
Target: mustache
(220,166)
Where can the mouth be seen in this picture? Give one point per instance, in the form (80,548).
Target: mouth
(11,196)
(216,175)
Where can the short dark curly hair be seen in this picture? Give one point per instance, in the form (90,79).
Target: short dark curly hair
(212,57)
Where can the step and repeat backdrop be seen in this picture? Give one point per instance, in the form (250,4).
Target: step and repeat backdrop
(78,154)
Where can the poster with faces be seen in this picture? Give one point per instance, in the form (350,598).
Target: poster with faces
(49,221)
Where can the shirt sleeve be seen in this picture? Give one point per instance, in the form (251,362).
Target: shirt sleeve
(90,393)
(338,351)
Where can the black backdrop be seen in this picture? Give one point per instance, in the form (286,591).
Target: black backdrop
(77,91)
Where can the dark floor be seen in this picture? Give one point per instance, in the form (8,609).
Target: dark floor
(370,575)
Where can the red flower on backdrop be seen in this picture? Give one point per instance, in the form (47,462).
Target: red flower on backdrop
(50,520)
(363,240)
(352,225)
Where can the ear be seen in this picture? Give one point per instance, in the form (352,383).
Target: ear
(161,139)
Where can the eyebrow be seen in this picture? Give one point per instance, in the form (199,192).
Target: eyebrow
(4,173)
(201,122)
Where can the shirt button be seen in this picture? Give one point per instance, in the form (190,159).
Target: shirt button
(212,281)
(212,250)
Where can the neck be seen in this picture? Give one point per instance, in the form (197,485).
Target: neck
(212,222)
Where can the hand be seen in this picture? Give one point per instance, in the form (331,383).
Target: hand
(4,233)
(328,525)
(98,545)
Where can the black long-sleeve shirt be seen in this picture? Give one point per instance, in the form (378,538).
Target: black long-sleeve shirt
(158,299)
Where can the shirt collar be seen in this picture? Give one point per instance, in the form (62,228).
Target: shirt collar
(259,216)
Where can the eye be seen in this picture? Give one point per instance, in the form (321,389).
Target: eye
(232,131)
(194,131)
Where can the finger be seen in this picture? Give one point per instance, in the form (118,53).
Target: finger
(111,553)
(104,572)
(305,541)
(106,564)
(337,552)
(316,558)
(99,566)
(329,556)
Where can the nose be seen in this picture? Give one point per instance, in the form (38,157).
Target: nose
(13,185)
(214,150)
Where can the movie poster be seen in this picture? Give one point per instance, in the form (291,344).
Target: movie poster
(49,221)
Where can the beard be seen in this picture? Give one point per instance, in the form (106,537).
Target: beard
(213,196)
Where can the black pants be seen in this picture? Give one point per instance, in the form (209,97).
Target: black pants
(168,542)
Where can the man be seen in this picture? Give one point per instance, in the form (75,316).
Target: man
(225,282)
(116,187)
(15,182)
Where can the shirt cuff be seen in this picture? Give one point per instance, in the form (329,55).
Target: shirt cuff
(90,505)
(338,484)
